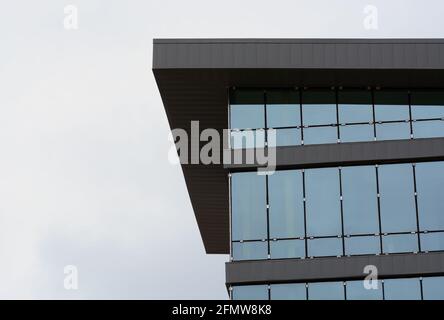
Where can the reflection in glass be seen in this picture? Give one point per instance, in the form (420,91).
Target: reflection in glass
(326,291)
(362,245)
(293,291)
(255,250)
(427,104)
(355,106)
(283,249)
(400,243)
(286,204)
(257,292)
(428,129)
(357,291)
(249,216)
(286,137)
(433,288)
(360,202)
(393,131)
(322,202)
(320,135)
(356,133)
(247,116)
(432,241)
(398,212)
(402,289)
(391,105)
(319,108)
(430,188)
(325,247)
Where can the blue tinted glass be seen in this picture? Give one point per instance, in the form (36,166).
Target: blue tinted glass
(400,243)
(255,250)
(294,291)
(249,216)
(320,135)
(433,288)
(286,204)
(428,129)
(355,107)
(357,291)
(250,292)
(360,202)
(427,105)
(325,247)
(283,249)
(319,108)
(393,131)
(248,116)
(286,115)
(398,213)
(432,241)
(322,202)
(326,291)
(402,289)
(391,112)
(430,188)
(390,106)
(285,137)
(362,245)
(356,133)
(247,139)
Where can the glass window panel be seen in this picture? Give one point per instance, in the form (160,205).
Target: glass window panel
(286,204)
(400,243)
(285,137)
(319,108)
(322,202)
(391,105)
(428,129)
(249,216)
(293,291)
(398,213)
(427,104)
(362,245)
(283,249)
(325,247)
(430,188)
(360,202)
(326,291)
(283,116)
(255,250)
(355,106)
(402,289)
(432,241)
(247,139)
(320,135)
(247,116)
(356,133)
(393,131)
(356,291)
(433,288)
(257,292)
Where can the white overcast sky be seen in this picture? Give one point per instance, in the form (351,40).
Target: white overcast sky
(84,172)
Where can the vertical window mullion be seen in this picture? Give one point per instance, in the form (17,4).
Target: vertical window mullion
(342,210)
(374,114)
(305,213)
(378,195)
(410,114)
(422,290)
(416,206)
(337,115)
(300,112)
(265,118)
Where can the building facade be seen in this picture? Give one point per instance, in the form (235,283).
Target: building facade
(356,128)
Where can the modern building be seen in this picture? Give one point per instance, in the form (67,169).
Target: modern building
(359,145)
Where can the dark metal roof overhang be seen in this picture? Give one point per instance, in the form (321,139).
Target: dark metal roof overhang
(193,77)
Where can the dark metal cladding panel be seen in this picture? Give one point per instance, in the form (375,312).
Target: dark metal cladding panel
(330,269)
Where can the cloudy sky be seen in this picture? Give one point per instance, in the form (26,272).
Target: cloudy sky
(84,172)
